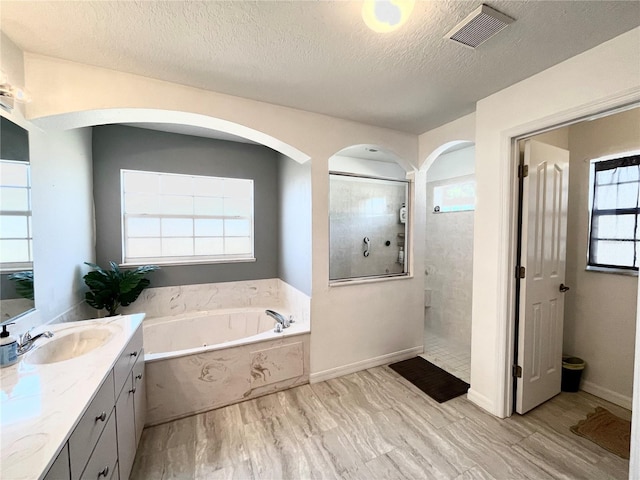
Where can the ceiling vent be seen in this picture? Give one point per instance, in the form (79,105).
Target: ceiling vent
(482,24)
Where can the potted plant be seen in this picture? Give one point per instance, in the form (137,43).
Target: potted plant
(113,288)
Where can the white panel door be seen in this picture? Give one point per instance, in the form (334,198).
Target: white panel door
(544,236)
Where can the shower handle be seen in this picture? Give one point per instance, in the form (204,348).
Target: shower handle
(367,246)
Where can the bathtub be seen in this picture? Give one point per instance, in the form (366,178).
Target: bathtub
(203,360)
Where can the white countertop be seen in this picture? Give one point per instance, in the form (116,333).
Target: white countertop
(41,404)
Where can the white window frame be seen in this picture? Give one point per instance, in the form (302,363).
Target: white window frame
(27,264)
(190,259)
(591,266)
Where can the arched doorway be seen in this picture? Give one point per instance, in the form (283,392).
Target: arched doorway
(450,196)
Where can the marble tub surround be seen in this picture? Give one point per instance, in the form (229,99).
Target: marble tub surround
(294,301)
(189,384)
(42,403)
(165,301)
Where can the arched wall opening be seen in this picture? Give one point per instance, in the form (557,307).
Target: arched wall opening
(72,188)
(448,259)
(201,125)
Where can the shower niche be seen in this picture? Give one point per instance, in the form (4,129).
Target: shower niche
(368,225)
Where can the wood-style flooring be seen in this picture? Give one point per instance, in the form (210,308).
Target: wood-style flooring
(375,425)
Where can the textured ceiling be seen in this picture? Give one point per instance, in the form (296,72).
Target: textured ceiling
(319,56)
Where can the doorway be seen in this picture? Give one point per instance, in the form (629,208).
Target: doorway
(599,315)
(450,195)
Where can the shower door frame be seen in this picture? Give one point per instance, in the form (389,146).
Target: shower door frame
(409,190)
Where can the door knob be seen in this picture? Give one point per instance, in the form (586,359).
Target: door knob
(563,288)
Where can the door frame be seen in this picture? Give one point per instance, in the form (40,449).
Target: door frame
(509,290)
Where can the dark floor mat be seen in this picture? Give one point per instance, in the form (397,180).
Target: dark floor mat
(432,380)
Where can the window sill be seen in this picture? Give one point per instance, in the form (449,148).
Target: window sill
(615,271)
(175,263)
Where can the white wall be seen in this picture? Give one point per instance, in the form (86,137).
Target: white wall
(600,308)
(353,326)
(435,142)
(602,77)
(62,218)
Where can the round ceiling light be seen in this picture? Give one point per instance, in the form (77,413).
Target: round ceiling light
(384,16)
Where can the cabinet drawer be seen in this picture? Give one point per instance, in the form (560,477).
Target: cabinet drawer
(91,425)
(127,359)
(102,464)
(60,468)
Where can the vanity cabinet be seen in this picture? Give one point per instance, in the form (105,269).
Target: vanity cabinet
(87,433)
(60,468)
(103,444)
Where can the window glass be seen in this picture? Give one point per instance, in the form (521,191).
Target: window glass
(614,235)
(175,218)
(456,197)
(15,216)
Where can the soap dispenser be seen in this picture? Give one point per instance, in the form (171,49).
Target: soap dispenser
(8,347)
(403,213)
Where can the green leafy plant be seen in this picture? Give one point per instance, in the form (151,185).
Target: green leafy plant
(113,288)
(24,283)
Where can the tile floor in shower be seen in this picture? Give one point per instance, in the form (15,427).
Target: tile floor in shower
(448,355)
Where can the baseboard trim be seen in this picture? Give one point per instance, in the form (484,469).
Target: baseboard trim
(364,364)
(481,401)
(606,394)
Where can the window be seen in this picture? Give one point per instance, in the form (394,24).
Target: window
(456,197)
(614,235)
(172,218)
(16,237)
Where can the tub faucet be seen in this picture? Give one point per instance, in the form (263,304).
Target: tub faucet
(278,317)
(27,342)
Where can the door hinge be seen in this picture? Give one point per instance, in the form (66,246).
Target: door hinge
(521,272)
(516,371)
(523,171)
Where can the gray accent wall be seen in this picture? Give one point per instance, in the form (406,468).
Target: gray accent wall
(294,265)
(117,147)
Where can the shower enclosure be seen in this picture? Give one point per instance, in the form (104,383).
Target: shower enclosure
(368,225)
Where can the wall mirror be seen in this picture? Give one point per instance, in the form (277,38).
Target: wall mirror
(368,216)
(16,238)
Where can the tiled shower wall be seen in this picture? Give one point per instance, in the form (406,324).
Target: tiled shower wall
(365,208)
(448,270)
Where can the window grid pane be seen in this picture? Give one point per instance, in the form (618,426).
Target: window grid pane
(16,242)
(174,217)
(614,236)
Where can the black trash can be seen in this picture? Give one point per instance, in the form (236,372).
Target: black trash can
(572,368)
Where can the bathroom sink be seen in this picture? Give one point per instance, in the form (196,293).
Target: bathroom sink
(70,345)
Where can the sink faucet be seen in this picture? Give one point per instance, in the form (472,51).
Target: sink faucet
(283,322)
(27,341)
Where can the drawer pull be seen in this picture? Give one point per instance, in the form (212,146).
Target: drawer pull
(104,472)
(102,417)
(133,354)
(133,390)
(139,376)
